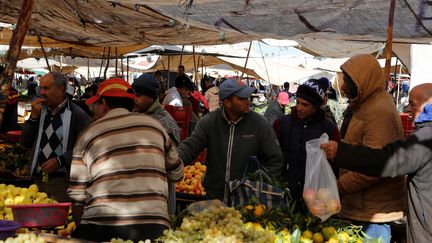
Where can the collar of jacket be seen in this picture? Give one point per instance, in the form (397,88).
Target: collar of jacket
(154,107)
(315,118)
(60,106)
(423,124)
(228,121)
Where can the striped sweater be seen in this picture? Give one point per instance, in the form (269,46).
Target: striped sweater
(120,170)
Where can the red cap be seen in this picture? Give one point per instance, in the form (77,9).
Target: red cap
(283,98)
(114,87)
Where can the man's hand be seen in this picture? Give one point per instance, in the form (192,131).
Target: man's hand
(50,165)
(330,149)
(37,105)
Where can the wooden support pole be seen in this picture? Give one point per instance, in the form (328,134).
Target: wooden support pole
(107,64)
(389,42)
(16,41)
(121,66)
(61,63)
(395,69)
(181,55)
(44,53)
(247,58)
(202,66)
(169,71)
(116,62)
(195,66)
(102,61)
(127,69)
(88,70)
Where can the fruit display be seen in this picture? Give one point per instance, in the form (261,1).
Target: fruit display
(191,182)
(14,158)
(12,195)
(296,225)
(119,240)
(24,238)
(322,203)
(217,224)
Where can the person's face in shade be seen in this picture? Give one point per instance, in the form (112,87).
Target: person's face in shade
(348,87)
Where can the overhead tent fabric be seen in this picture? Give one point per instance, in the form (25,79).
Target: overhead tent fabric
(106,23)
(55,48)
(131,22)
(276,73)
(337,48)
(171,56)
(206,61)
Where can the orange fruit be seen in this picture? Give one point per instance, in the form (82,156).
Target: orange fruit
(318,238)
(259,210)
(307,234)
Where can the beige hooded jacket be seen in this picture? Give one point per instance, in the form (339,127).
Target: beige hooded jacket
(375,123)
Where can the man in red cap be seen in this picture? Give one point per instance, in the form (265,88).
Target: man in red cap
(120,170)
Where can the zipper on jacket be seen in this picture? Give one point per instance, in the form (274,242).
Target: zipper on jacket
(228,164)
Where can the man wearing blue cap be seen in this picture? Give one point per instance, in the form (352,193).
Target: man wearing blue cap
(231,135)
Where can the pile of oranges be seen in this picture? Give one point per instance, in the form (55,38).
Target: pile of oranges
(192,180)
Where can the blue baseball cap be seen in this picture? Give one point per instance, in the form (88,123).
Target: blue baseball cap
(231,87)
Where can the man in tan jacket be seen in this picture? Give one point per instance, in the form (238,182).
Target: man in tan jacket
(371,120)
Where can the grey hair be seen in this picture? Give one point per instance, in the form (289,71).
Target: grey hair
(59,79)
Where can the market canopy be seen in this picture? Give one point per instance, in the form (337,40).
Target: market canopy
(128,23)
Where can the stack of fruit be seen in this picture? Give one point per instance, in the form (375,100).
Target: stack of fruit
(25,237)
(15,158)
(292,225)
(191,182)
(217,224)
(11,195)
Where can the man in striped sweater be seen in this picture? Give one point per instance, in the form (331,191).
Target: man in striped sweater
(120,170)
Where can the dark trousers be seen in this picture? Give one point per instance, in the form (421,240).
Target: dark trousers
(100,233)
(55,187)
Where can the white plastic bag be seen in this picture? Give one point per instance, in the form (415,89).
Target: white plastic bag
(320,190)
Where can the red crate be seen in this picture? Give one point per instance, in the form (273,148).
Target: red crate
(407,123)
(14,136)
(181,115)
(184,130)
(202,156)
(41,215)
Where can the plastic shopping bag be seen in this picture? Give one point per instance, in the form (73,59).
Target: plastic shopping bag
(320,190)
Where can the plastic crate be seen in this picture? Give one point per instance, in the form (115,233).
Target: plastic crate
(184,130)
(202,156)
(41,215)
(14,136)
(407,124)
(181,115)
(8,228)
